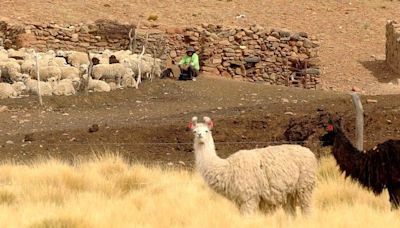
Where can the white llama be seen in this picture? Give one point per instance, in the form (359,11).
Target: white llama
(263,178)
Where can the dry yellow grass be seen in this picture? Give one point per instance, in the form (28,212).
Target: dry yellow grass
(108,192)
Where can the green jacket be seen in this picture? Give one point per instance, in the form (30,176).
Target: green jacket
(193,60)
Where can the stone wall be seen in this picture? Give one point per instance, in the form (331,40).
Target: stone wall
(101,35)
(254,53)
(393,45)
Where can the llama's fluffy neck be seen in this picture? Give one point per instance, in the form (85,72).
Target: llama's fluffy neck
(345,153)
(210,165)
(350,160)
(206,154)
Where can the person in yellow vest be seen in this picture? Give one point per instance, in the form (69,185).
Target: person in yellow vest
(189,64)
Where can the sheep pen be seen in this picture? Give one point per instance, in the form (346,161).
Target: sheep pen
(61,72)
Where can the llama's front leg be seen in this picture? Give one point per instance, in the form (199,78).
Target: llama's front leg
(249,207)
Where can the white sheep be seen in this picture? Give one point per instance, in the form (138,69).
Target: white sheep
(76,59)
(19,87)
(46,88)
(263,178)
(111,72)
(10,70)
(97,85)
(103,57)
(58,61)
(68,72)
(16,54)
(128,79)
(47,73)
(3,54)
(7,91)
(113,86)
(122,54)
(65,87)
(29,64)
(133,63)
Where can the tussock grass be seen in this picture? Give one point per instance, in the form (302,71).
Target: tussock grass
(108,192)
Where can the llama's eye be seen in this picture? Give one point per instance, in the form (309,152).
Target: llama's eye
(206,131)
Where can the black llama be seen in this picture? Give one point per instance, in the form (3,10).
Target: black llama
(374,169)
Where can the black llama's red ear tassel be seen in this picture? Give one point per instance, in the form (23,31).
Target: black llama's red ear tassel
(330,126)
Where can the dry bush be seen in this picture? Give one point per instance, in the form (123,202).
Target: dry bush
(152,17)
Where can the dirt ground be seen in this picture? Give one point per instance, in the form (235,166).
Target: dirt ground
(351,33)
(149,124)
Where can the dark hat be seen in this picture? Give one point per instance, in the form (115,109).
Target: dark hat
(190,49)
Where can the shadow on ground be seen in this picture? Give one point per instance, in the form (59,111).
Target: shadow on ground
(381,71)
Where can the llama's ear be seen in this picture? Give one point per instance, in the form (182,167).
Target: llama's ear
(330,128)
(209,122)
(192,124)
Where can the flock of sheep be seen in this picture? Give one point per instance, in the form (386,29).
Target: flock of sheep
(61,72)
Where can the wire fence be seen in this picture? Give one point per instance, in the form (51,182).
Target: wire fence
(177,143)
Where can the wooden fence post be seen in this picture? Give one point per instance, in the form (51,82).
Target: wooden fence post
(359,121)
(38,80)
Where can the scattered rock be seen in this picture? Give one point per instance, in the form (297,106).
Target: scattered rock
(285,100)
(3,108)
(372,101)
(224,42)
(356,89)
(28,137)
(182,163)
(75,37)
(289,113)
(272,39)
(9,142)
(94,128)
(173,54)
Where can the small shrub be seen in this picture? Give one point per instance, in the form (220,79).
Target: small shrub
(152,17)
(7,197)
(59,223)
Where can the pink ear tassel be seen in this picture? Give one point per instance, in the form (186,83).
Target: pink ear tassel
(190,125)
(210,124)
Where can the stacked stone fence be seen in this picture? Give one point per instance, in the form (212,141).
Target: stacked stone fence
(393,45)
(253,53)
